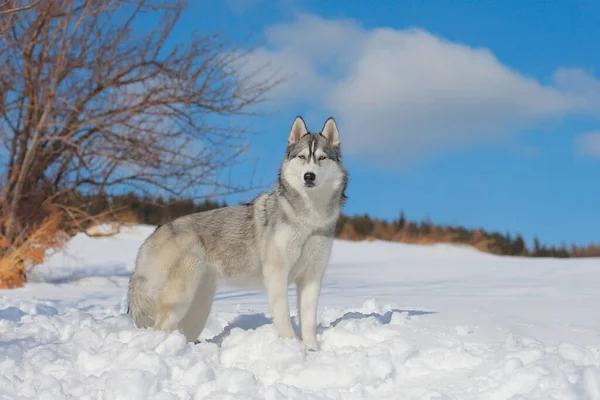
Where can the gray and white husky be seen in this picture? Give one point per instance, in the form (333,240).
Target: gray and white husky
(283,236)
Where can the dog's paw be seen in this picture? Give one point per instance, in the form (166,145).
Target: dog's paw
(312,345)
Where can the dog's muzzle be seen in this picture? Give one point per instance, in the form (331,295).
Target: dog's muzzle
(309,179)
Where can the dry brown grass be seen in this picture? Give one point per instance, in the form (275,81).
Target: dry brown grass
(29,251)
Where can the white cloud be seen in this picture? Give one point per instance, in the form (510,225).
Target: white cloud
(405,94)
(589,143)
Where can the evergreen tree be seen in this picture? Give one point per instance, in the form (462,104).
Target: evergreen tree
(401,221)
(518,247)
(536,247)
(425,228)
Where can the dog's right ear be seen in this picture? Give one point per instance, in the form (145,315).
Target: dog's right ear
(298,130)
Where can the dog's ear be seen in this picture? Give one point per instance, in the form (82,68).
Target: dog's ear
(330,131)
(298,130)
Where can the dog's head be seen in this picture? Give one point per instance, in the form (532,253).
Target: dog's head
(314,161)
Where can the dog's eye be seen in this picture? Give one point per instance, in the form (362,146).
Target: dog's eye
(302,157)
(322,158)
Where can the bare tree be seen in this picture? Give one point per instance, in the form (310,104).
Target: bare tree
(96,96)
(9,11)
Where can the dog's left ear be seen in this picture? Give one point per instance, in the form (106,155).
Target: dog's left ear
(331,132)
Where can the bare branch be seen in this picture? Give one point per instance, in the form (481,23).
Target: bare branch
(8,12)
(5,8)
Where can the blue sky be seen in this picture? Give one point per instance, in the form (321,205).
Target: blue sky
(484,114)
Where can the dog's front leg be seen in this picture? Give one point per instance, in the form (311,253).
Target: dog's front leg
(308,289)
(276,284)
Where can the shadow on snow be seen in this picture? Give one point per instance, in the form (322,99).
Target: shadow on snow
(249,322)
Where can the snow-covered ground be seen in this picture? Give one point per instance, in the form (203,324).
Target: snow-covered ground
(396,322)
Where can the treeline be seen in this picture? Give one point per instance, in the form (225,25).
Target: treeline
(425,232)
(144,210)
(360,227)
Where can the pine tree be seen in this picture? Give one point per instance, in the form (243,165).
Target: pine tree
(425,228)
(401,221)
(536,247)
(518,247)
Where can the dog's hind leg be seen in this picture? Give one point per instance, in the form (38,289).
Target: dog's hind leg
(194,320)
(176,296)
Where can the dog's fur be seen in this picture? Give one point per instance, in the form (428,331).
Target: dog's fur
(282,236)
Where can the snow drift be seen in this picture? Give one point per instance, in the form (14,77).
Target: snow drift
(396,321)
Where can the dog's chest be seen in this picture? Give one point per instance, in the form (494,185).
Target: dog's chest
(291,237)
(296,239)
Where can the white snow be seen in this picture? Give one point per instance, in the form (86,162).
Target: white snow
(397,321)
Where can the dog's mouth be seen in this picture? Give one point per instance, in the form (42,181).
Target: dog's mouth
(309,184)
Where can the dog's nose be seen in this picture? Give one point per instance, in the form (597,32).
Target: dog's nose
(309,177)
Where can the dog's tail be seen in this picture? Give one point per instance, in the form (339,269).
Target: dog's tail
(140,306)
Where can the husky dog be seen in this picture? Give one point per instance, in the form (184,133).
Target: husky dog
(282,236)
